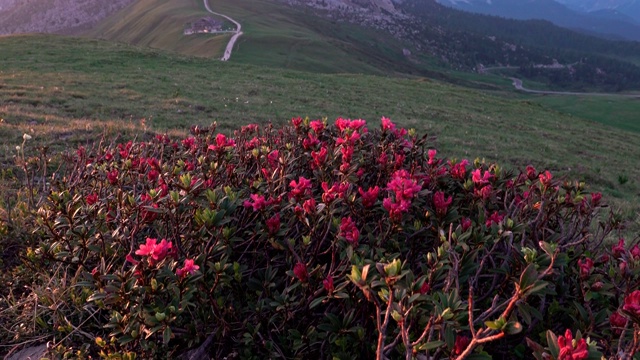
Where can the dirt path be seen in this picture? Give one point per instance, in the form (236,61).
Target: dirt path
(234,38)
(517,83)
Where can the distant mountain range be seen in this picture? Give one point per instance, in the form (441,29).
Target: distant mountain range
(616,19)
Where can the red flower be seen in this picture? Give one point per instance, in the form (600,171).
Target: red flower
(188,269)
(299,188)
(147,248)
(328,284)
(333,192)
(618,322)
(387,124)
(317,126)
(153,175)
(432,156)
(221,143)
(112,176)
(461,344)
(618,250)
(545,178)
(635,252)
(91,198)
(161,250)
(309,206)
(479,177)
(349,231)
(296,122)
(459,170)
(441,203)
(495,218)
(595,199)
(632,303)
(258,203)
(370,196)
(466,224)
(425,288)
(130,259)
(403,186)
(585,267)
(310,142)
(319,157)
(570,352)
(300,271)
(531,172)
(273,224)
(189,143)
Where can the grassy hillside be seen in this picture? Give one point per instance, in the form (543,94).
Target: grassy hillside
(68,91)
(275,36)
(160,24)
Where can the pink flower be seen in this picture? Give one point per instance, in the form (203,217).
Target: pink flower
(309,206)
(425,288)
(585,267)
(153,175)
(147,248)
(370,196)
(459,170)
(310,142)
(273,224)
(221,143)
(333,192)
(432,156)
(403,186)
(91,198)
(495,218)
(319,157)
(545,178)
(317,126)
(570,352)
(484,192)
(618,250)
(531,172)
(632,303)
(300,271)
(161,250)
(441,203)
(258,203)
(387,124)
(130,259)
(188,269)
(461,344)
(296,122)
(635,252)
(349,231)
(481,178)
(328,284)
(272,158)
(618,322)
(466,224)
(299,188)
(112,176)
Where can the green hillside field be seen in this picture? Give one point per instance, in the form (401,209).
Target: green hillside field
(67,92)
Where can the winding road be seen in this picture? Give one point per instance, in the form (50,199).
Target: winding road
(234,38)
(517,83)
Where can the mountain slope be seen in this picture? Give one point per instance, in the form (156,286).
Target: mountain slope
(59,16)
(552,11)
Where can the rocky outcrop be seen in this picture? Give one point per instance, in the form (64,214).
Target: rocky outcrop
(54,16)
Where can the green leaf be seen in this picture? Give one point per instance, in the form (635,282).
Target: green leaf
(513,328)
(552,343)
(538,286)
(317,302)
(166,335)
(430,345)
(493,325)
(528,277)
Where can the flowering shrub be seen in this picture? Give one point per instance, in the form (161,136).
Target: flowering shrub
(319,240)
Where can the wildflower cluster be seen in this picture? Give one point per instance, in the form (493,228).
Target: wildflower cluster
(331,239)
